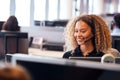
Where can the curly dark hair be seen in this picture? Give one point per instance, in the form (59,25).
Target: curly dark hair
(11,24)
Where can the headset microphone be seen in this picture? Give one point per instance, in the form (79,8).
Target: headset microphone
(87,39)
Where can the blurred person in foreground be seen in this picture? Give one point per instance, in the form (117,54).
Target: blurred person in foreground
(9,72)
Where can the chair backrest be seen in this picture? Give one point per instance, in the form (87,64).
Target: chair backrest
(13,42)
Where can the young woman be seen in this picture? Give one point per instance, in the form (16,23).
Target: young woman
(88,36)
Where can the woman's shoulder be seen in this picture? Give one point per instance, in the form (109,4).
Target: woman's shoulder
(67,54)
(113,51)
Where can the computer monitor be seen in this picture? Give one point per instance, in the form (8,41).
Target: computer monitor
(96,59)
(1,23)
(116,42)
(61,23)
(49,68)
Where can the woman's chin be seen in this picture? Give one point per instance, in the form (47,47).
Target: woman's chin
(81,43)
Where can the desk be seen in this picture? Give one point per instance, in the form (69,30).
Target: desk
(38,52)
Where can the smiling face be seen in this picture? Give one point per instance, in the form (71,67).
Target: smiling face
(83,33)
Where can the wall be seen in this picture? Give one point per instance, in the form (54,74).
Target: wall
(51,34)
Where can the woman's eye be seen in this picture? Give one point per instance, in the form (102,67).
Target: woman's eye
(83,31)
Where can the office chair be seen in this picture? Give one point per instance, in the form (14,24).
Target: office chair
(13,42)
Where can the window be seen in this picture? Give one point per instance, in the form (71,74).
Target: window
(4,10)
(65,9)
(52,9)
(23,12)
(39,10)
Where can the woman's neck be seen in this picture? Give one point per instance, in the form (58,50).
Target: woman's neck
(86,48)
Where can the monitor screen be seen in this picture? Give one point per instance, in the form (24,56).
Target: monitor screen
(1,23)
(116,42)
(49,68)
(96,59)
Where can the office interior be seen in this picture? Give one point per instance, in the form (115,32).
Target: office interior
(45,20)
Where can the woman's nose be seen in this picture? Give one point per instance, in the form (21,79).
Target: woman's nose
(79,34)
